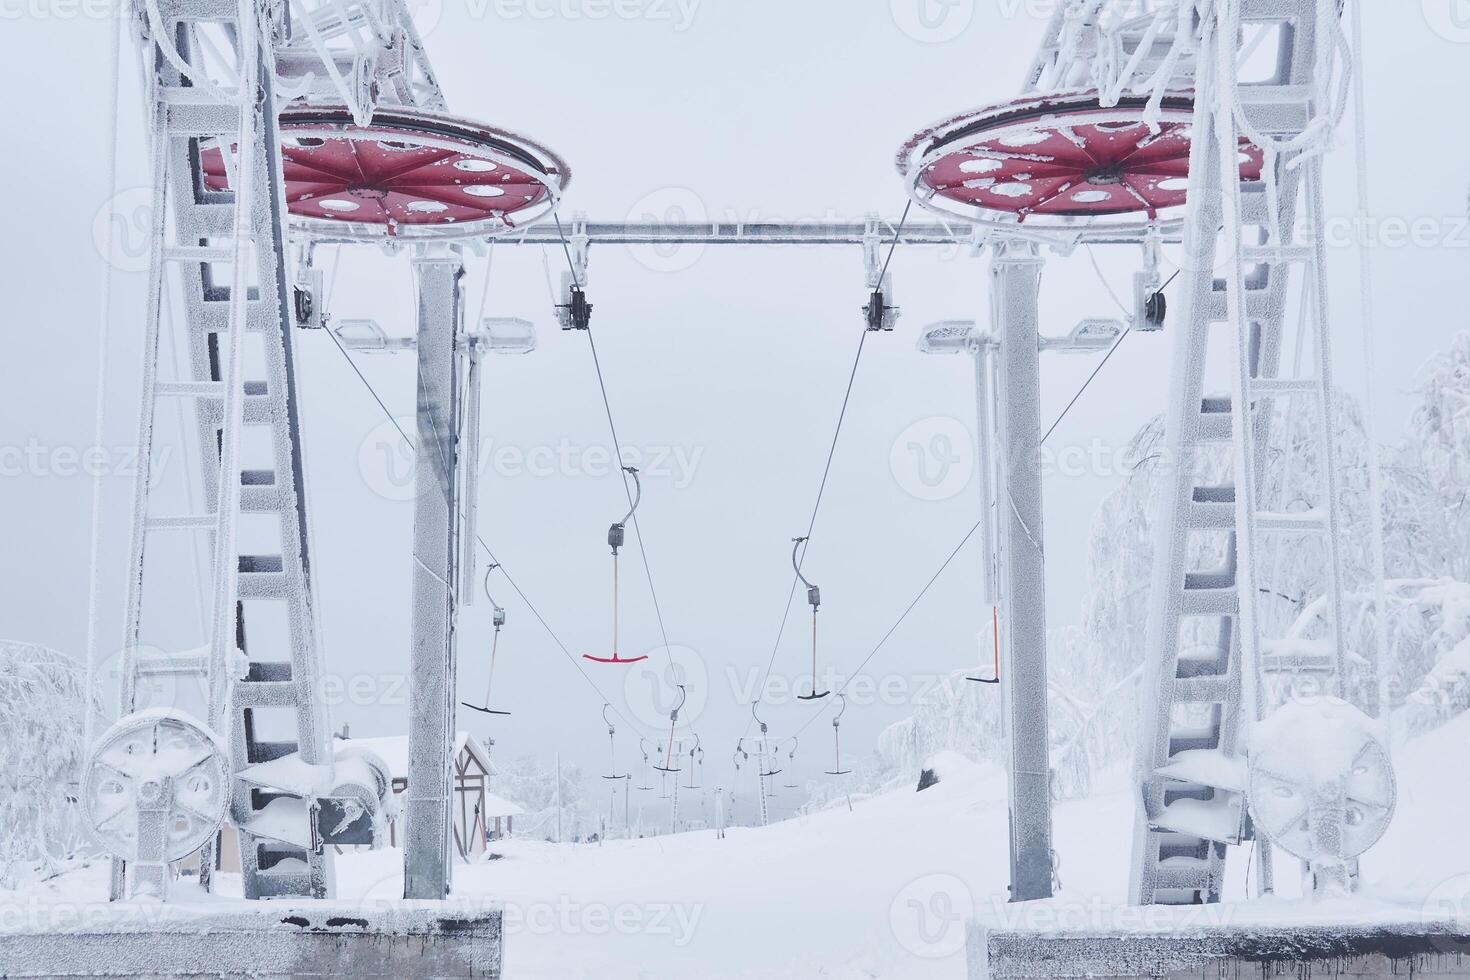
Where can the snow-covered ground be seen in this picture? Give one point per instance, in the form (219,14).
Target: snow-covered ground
(882,890)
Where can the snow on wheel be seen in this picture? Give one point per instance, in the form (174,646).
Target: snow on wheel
(411,174)
(1056,161)
(155,788)
(1321,785)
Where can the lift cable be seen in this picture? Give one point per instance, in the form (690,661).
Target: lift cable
(1366,321)
(1097,269)
(1090,378)
(805,543)
(617,447)
(902,617)
(968,534)
(500,566)
(104,345)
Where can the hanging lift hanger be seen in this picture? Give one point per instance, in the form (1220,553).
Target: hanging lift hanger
(498,620)
(615,538)
(995,634)
(791,762)
(764,747)
(814,597)
(668,765)
(992,576)
(612,748)
(643,747)
(693,752)
(837,769)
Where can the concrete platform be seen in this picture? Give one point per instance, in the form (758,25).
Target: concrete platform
(1050,940)
(257,939)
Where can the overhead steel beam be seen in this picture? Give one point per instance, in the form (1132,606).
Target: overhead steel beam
(771,233)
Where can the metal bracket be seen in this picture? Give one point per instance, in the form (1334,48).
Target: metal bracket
(574,312)
(880,313)
(1149,306)
(308,294)
(964,337)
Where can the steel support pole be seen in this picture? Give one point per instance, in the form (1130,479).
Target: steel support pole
(470,473)
(428,835)
(1015,294)
(987,457)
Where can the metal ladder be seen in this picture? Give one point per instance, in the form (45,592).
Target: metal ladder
(1205,636)
(241,230)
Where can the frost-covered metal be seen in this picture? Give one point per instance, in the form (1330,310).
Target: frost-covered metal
(1321,787)
(1066,162)
(323,120)
(1116,47)
(1206,641)
(1097,149)
(211,67)
(1015,293)
(1134,126)
(363,54)
(410,174)
(1061,163)
(427,842)
(154,790)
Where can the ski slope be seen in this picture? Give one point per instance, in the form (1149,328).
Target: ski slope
(883,890)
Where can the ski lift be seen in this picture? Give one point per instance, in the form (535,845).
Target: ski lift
(498,619)
(837,769)
(612,753)
(668,765)
(995,633)
(814,597)
(615,537)
(791,762)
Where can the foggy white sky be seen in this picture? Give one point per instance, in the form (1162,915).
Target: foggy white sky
(733,365)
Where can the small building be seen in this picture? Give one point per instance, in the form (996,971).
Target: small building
(498,809)
(473,808)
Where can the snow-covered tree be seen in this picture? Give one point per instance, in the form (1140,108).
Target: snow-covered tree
(1291,576)
(1428,663)
(957,715)
(1093,707)
(1094,670)
(529,782)
(41,723)
(1437,451)
(1426,534)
